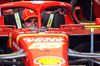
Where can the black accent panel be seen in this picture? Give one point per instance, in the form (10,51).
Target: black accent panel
(9,20)
(59,19)
(83,42)
(3,45)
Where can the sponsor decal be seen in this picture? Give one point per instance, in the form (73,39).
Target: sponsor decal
(31,11)
(7,4)
(45,39)
(46,42)
(63,4)
(45,45)
(22,35)
(16,46)
(49,61)
(37,1)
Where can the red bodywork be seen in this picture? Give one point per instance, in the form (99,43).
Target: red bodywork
(43,48)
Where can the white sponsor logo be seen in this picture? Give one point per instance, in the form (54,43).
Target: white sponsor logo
(7,4)
(47,39)
(37,1)
(63,4)
(16,46)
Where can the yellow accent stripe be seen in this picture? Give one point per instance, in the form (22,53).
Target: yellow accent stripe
(40,35)
(50,20)
(92,26)
(10,39)
(17,18)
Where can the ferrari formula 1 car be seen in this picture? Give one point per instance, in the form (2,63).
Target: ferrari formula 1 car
(49,44)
